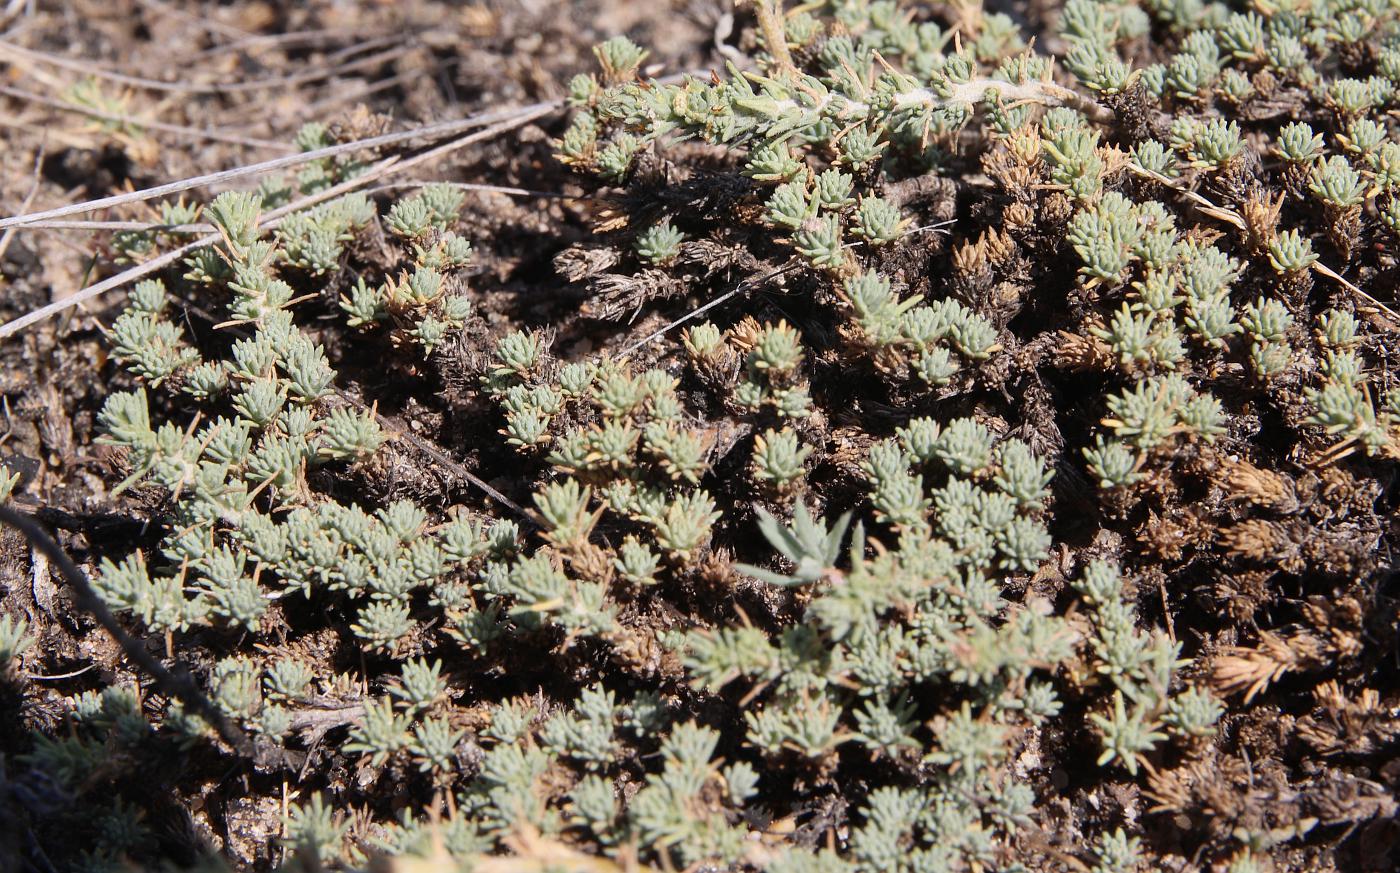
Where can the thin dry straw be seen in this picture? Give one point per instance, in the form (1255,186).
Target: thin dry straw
(91,69)
(431,131)
(938,227)
(383,168)
(201,227)
(28,198)
(161,126)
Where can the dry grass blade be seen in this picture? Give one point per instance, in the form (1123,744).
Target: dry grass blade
(161,126)
(270,219)
(14,9)
(28,199)
(742,286)
(291,39)
(397,429)
(14,326)
(89,69)
(491,189)
(510,117)
(107,226)
(1234,219)
(110,226)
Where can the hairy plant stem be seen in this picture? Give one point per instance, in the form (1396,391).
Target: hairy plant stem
(969,94)
(770,21)
(1042,92)
(178,685)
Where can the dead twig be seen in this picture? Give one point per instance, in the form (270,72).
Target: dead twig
(742,286)
(441,129)
(57,677)
(13,9)
(14,326)
(177,685)
(396,429)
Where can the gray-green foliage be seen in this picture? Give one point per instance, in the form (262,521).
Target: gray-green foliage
(8,482)
(660,243)
(15,640)
(590,675)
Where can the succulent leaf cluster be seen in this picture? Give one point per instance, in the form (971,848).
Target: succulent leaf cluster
(976,474)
